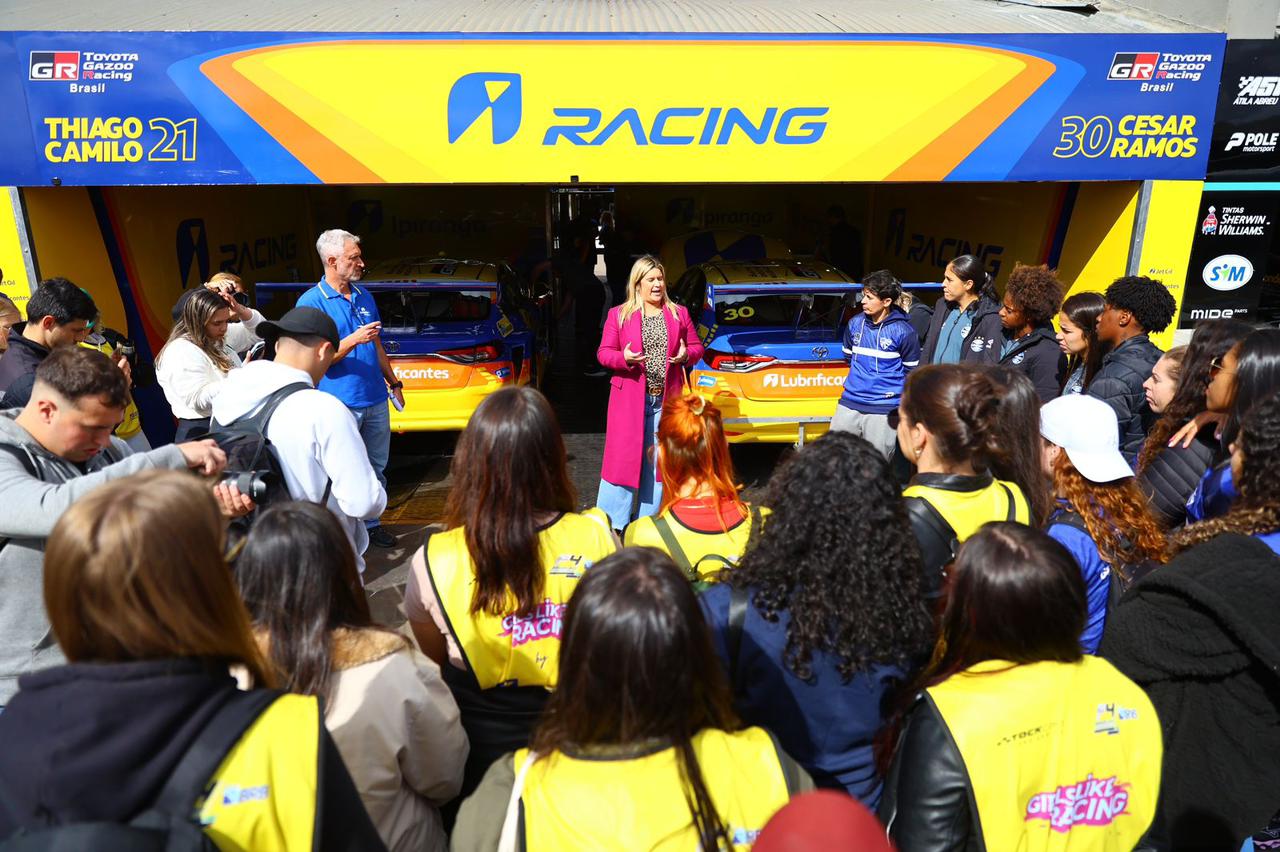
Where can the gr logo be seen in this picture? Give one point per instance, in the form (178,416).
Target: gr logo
(1133,66)
(54,65)
(493,92)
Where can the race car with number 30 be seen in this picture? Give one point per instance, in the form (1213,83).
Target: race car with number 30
(772,330)
(455,331)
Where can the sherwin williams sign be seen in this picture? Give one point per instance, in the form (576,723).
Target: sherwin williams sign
(155,108)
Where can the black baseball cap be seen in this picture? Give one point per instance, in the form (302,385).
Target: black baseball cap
(300,322)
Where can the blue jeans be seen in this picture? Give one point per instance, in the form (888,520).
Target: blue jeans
(374,423)
(620,502)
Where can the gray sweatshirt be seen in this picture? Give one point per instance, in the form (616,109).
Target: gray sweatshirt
(31,507)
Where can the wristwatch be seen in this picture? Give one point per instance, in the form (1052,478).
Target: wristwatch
(395,385)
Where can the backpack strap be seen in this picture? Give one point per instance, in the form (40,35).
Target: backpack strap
(663,526)
(23,455)
(258,421)
(739,600)
(1012,514)
(189,781)
(944,535)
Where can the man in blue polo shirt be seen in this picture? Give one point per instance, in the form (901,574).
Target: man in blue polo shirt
(361,375)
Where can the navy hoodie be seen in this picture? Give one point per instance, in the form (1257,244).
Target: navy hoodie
(880,356)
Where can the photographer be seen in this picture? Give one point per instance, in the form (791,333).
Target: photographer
(202,350)
(52,452)
(313,434)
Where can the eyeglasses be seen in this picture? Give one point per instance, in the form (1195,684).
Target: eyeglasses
(1215,367)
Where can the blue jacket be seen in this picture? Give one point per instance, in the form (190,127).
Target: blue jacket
(828,726)
(1214,495)
(880,356)
(1095,570)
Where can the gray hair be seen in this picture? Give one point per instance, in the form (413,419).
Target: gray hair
(332,242)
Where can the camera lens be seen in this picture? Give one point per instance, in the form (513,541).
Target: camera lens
(242,298)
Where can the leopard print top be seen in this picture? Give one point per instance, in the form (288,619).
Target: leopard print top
(653,334)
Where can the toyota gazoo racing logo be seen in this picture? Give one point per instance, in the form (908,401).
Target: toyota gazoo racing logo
(801,380)
(1227,272)
(1133,66)
(499,94)
(59,65)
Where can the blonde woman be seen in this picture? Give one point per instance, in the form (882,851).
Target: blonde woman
(646,344)
(198,355)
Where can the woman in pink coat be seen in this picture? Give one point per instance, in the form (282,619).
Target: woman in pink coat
(646,343)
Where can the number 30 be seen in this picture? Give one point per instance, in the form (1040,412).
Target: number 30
(1090,137)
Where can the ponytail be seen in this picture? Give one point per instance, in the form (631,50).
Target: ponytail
(692,445)
(960,406)
(968,267)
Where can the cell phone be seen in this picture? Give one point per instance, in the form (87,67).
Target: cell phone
(242,298)
(399,406)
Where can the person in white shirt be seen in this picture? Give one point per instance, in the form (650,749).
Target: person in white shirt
(314,434)
(200,353)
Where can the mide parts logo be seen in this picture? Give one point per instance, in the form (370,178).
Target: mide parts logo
(496,93)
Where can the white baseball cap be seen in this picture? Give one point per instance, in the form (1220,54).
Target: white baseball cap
(1087,430)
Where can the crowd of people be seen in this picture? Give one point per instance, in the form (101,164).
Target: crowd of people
(1019,596)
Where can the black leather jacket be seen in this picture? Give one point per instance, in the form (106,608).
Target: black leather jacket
(927,804)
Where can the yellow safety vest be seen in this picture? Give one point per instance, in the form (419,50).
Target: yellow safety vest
(132,423)
(702,555)
(1059,755)
(511,650)
(264,793)
(639,803)
(966,511)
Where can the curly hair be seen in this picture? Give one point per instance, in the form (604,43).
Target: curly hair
(1036,291)
(1257,510)
(848,572)
(1116,514)
(1149,301)
(1212,339)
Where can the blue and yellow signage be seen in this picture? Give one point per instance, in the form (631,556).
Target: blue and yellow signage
(228,108)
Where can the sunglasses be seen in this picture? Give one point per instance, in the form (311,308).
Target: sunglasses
(1215,367)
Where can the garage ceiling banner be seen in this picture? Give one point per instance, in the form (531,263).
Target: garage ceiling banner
(241,108)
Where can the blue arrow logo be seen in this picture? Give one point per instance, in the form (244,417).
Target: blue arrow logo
(493,92)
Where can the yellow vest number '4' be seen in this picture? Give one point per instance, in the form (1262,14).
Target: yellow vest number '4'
(1055,751)
(511,650)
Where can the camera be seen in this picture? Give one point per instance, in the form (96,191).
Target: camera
(255,483)
(242,298)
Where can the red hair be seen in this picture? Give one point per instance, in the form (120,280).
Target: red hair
(693,447)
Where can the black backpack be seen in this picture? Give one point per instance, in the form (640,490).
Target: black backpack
(172,823)
(252,459)
(1123,574)
(936,538)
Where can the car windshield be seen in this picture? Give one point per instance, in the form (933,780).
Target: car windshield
(410,309)
(801,311)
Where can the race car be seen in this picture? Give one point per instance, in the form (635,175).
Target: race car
(454,330)
(772,330)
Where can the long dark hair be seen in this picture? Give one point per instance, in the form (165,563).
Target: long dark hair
(1083,309)
(636,664)
(1257,510)
(960,406)
(509,465)
(1019,426)
(1013,594)
(968,267)
(847,572)
(297,575)
(1257,376)
(1212,339)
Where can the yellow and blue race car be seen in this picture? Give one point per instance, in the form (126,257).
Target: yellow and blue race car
(772,330)
(455,331)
